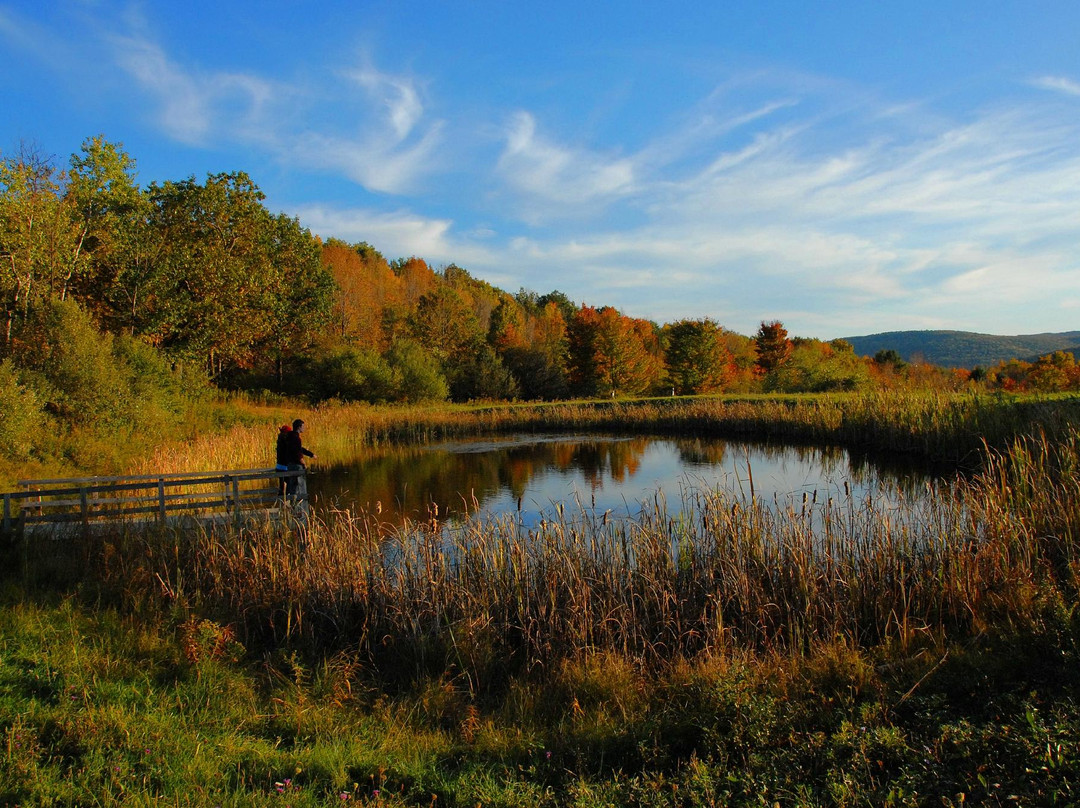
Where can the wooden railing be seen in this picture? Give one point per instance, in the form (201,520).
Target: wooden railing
(153,497)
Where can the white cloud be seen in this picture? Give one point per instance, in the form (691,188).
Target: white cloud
(399,96)
(24,33)
(390,148)
(195,108)
(382,144)
(557,176)
(398,234)
(1058,84)
(368,161)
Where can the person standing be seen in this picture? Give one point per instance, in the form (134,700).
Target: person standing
(293,454)
(282,458)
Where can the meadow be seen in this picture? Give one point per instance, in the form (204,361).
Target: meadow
(726,653)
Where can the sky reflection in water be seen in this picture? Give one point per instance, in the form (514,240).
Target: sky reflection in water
(527,475)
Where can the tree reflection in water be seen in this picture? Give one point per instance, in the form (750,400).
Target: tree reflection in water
(527,475)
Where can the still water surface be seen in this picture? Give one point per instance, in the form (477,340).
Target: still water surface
(525,476)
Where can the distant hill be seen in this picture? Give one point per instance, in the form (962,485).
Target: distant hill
(965,349)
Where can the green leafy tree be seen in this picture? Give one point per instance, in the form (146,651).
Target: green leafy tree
(446,327)
(300,293)
(483,377)
(537,377)
(697,359)
(890,356)
(566,306)
(816,367)
(24,417)
(38,236)
(417,376)
(110,213)
(354,374)
(221,270)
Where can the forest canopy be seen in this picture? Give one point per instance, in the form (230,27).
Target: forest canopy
(123,302)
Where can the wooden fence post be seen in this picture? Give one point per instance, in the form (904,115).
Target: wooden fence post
(236,502)
(161,499)
(84,507)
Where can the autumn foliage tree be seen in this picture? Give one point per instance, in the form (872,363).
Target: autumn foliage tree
(611,354)
(773,346)
(365,289)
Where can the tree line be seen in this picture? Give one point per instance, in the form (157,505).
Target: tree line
(118,300)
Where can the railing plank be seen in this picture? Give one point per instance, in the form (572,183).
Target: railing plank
(144,477)
(100,499)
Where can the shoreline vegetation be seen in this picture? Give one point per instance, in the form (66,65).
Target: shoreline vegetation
(932,426)
(841,654)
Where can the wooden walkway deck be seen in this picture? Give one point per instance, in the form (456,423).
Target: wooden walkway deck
(217,496)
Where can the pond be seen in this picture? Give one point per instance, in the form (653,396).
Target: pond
(528,476)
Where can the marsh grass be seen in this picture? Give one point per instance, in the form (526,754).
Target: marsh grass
(724,651)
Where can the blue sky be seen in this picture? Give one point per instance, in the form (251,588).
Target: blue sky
(846,167)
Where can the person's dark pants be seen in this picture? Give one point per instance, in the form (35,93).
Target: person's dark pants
(293,487)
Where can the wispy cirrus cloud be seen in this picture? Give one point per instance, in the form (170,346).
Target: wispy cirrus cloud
(193,107)
(942,224)
(1057,83)
(397,233)
(379,138)
(399,95)
(559,178)
(24,33)
(392,146)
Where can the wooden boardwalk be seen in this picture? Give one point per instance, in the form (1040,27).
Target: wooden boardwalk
(211,496)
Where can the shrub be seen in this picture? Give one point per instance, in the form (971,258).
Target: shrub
(74,365)
(416,373)
(21,414)
(353,374)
